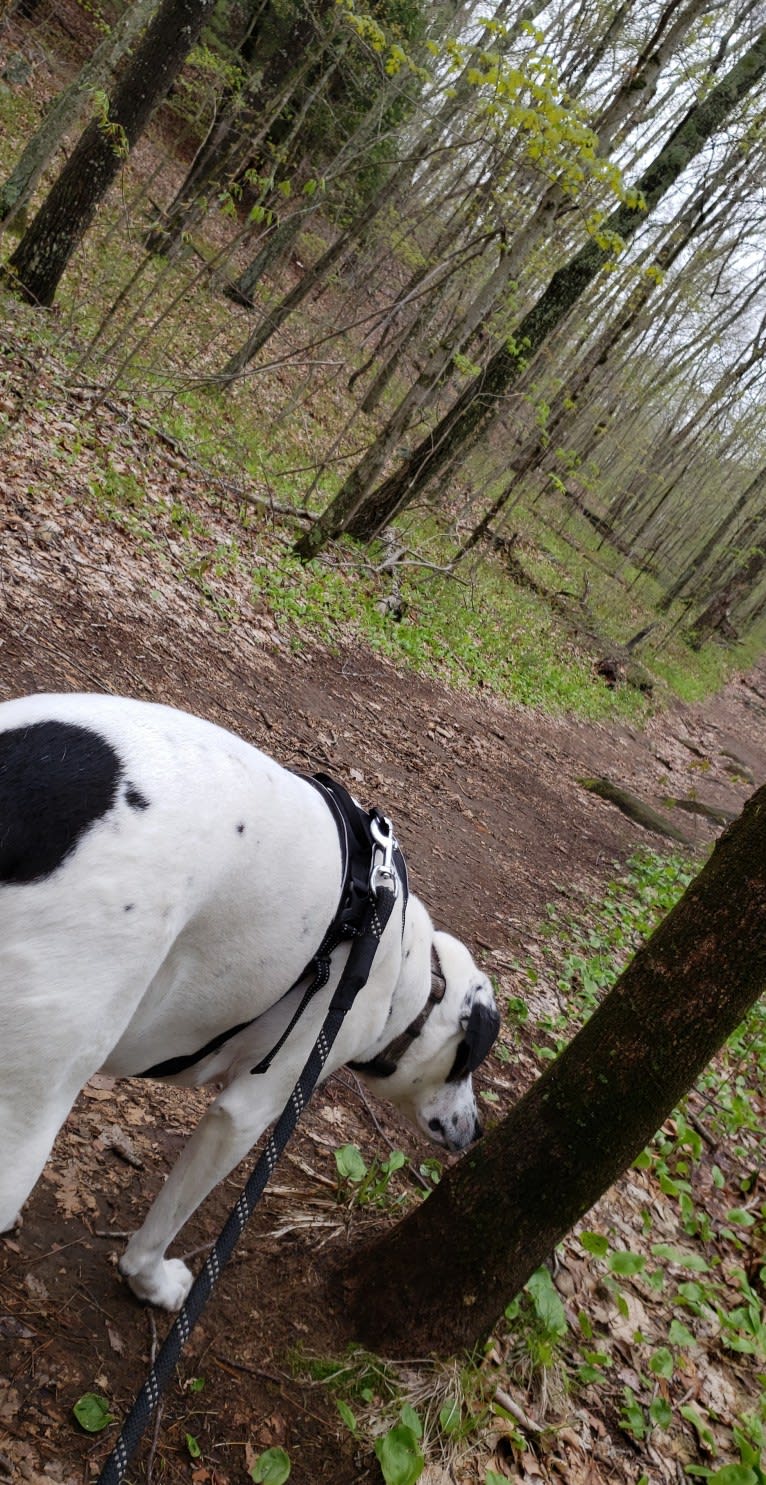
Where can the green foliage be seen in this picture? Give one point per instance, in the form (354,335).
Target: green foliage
(272,1467)
(362,1185)
(690,1287)
(399,1456)
(485,635)
(112,132)
(539,1325)
(585,954)
(92,1412)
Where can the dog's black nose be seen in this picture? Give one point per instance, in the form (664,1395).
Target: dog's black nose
(478,1130)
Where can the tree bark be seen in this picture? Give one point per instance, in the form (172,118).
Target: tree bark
(363,517)
(716,616)
(67,108)
(67,212)
(439,1280)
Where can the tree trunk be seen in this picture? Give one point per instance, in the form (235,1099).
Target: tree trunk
(482,399)
(440,1279)
(753,492)
(67,108)
(508,268)
(401,173)
(68,210)
(716,616)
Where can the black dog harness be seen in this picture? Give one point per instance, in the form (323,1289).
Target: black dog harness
(362,834)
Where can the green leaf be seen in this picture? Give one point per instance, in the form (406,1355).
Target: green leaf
(449,1416)
(678,1335)
(692,1261)
(741,1217)
(660,1413)
(350,1164)
(703,1432)
(399,1456)
(625,1263)
(547,1302)
(193,1447)
(595,1243)
(272,1467)
(661,1363)
(734,1474)
(349,1418)
(632,1417)
(411,1420)
(92,1412)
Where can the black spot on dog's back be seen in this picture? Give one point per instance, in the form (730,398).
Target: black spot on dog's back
(56,780)
(135,798)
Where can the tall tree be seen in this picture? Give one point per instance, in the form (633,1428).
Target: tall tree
(68,107)
(67,212)
(363,515)
(508,1202)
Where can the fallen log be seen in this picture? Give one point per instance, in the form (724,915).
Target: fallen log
(636,809)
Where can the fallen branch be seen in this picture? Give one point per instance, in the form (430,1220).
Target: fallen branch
(636,809)
(508,1405)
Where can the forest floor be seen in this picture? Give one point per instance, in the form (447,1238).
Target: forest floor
(496,825)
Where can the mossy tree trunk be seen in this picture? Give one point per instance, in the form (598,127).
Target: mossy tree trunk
(67,212)
(364,514)
(440,1279)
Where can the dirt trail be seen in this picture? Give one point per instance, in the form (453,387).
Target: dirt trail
(495,824)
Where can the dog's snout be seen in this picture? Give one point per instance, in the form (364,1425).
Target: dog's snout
(437,1127)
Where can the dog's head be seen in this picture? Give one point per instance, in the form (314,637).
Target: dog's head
(426,1069)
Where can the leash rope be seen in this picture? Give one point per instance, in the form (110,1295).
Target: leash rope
(354,977)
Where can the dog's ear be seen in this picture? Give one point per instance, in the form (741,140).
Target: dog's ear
(480,1025)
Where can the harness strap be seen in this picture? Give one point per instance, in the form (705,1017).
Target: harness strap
(385,1063)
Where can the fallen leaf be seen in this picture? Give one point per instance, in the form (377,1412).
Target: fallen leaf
(115,1339)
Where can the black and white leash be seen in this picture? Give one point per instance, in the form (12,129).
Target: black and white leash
(382,892)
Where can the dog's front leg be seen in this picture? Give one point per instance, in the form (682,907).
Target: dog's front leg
(223,1137)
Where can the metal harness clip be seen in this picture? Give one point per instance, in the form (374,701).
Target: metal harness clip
(382,872)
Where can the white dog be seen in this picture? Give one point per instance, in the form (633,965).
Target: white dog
(163,886)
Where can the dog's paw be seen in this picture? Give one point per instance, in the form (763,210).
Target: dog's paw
(166,1284)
